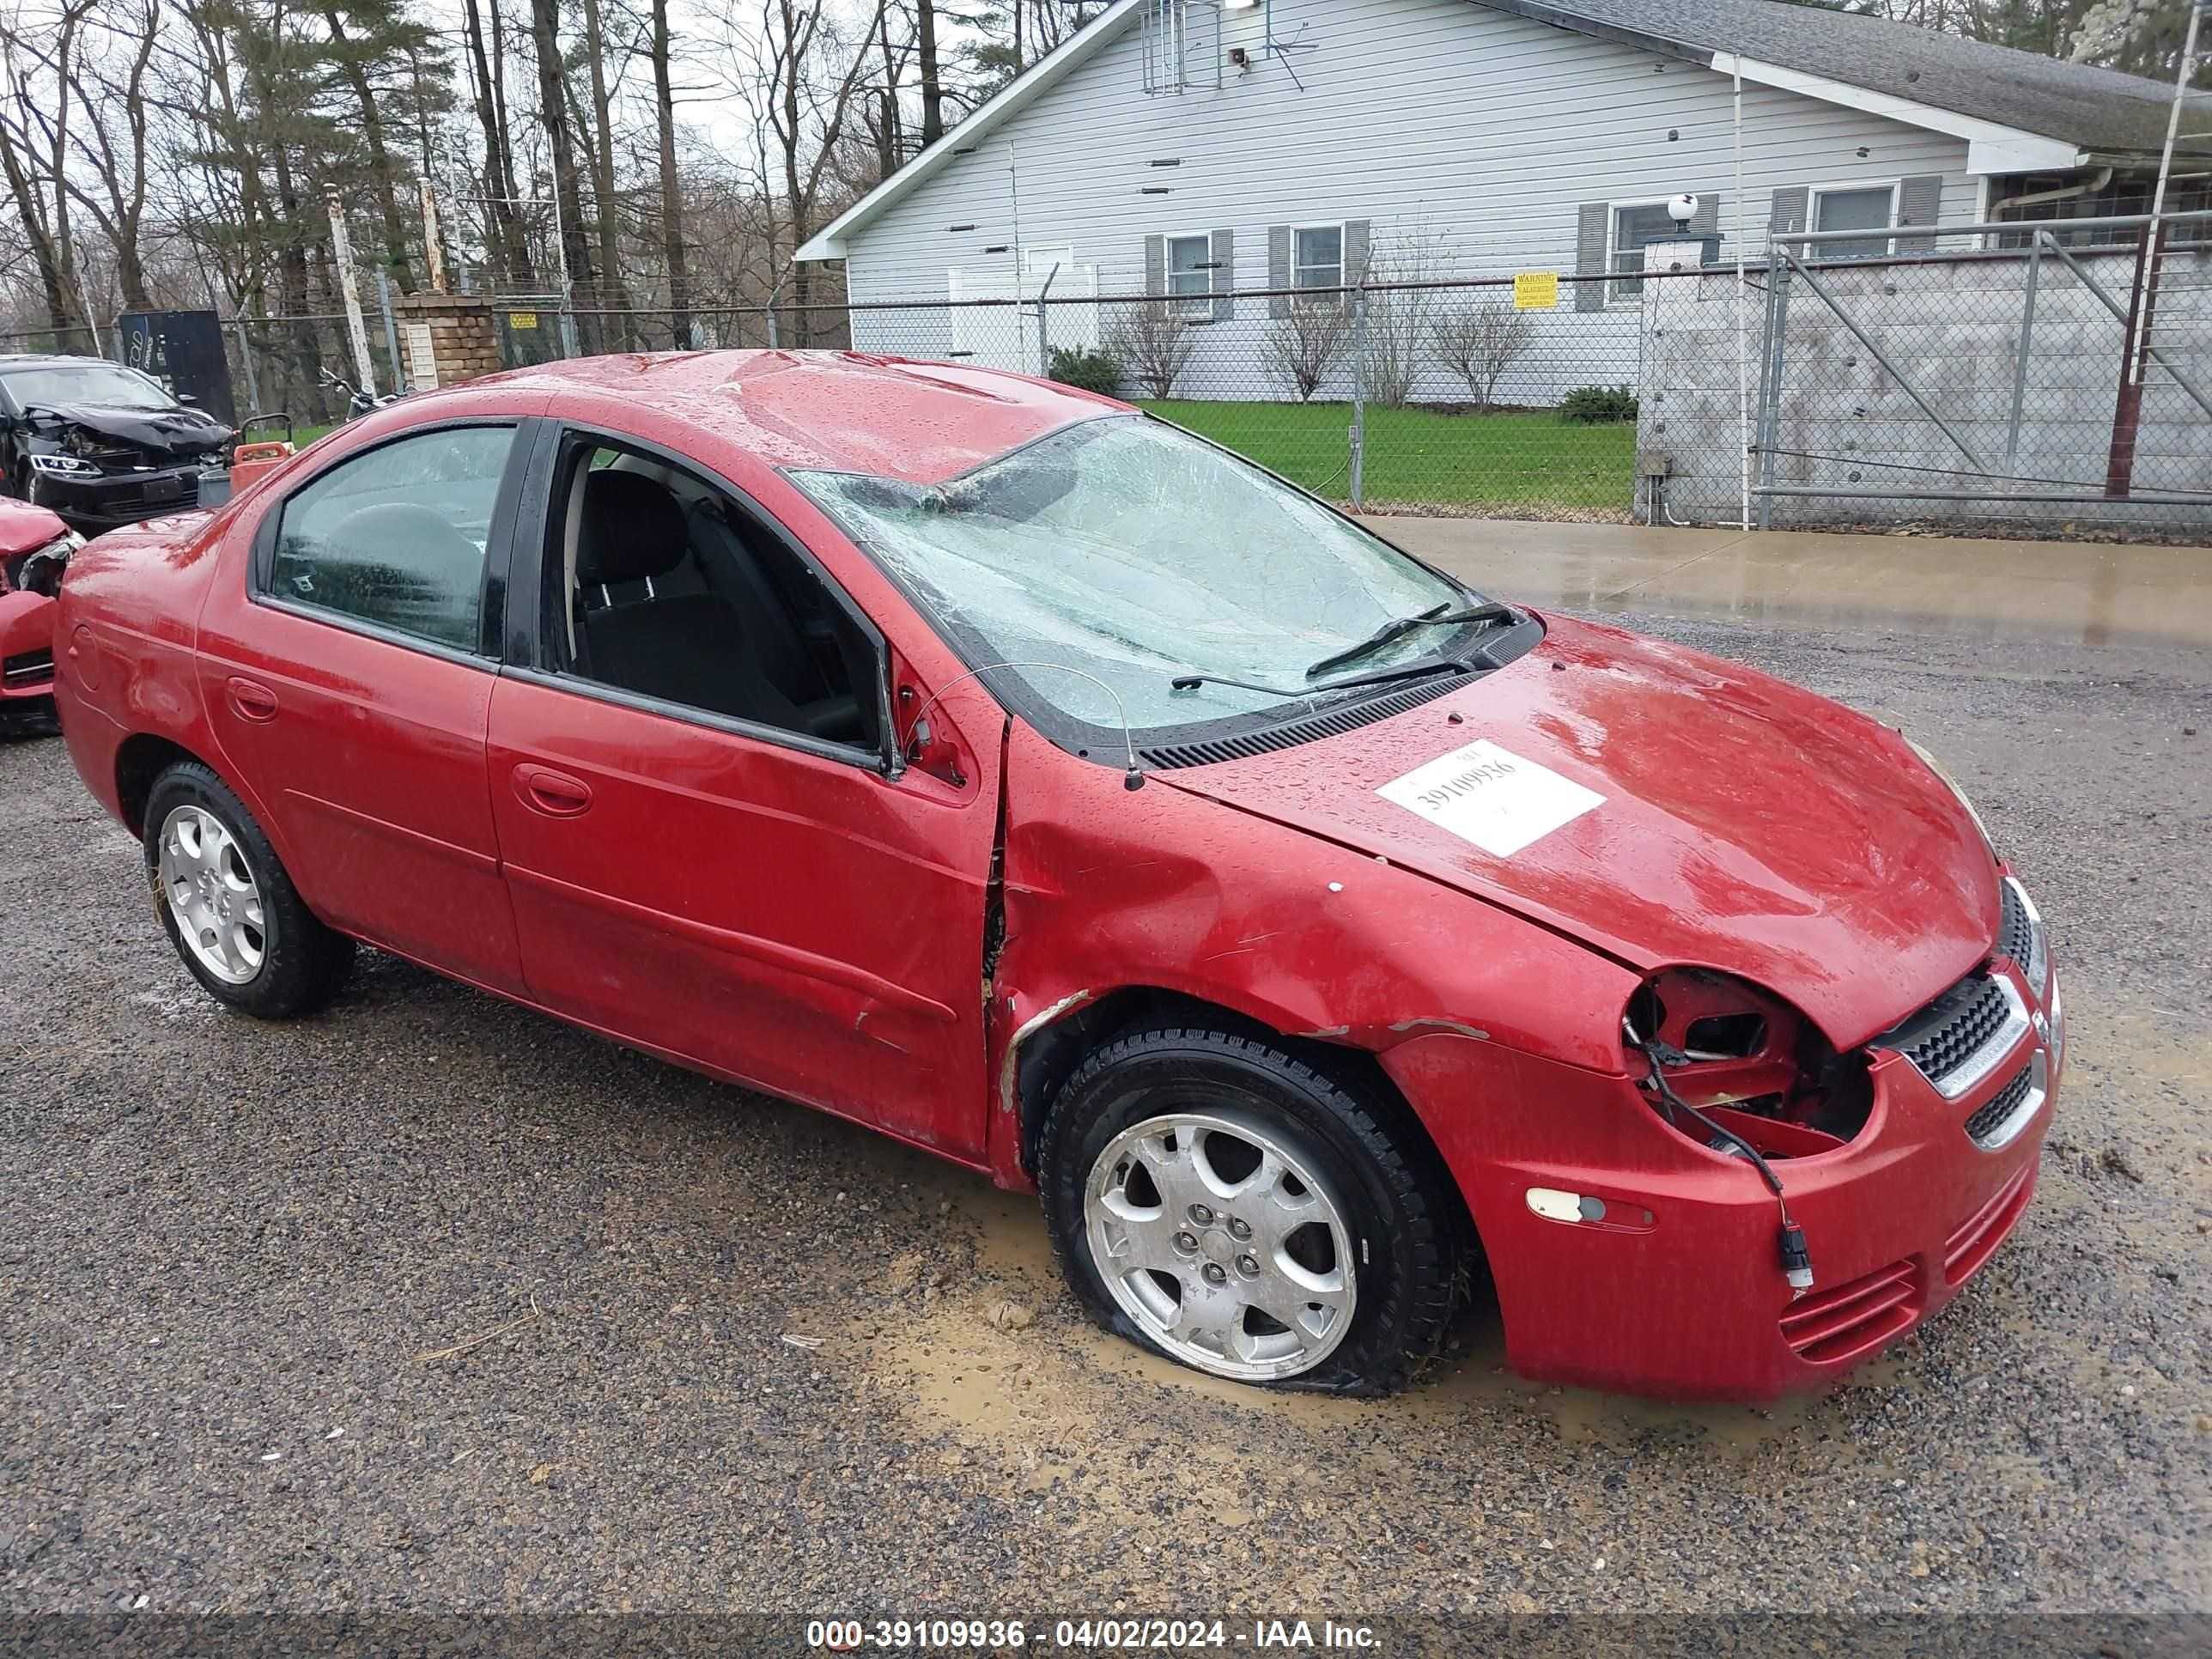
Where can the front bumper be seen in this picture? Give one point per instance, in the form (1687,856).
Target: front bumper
(104,502)
(27,654)
(1677,1290)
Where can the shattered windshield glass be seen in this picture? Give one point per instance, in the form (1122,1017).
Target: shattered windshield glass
(102,384)
(1126,549)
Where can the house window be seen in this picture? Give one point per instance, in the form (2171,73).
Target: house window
(1190,278)
(1874,209)
(1635,226)
(1317,257)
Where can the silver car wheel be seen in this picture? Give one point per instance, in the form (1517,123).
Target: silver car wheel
(1226,1248)
(212,894)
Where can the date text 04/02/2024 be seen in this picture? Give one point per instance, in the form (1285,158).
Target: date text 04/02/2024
(953,1635)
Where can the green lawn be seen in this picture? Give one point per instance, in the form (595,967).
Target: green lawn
(1532,465)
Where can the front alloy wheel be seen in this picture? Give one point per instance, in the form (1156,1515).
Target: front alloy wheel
(1223,1244)
(1245,1208)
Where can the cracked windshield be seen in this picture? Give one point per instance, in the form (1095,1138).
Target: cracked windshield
(1124,548)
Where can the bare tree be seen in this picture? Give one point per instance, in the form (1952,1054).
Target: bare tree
(1399,312)
(553,112)
(1478,342)
(510,246)
(1153,345)
(672,192)
(1299,351)
(806,72)
(34,141)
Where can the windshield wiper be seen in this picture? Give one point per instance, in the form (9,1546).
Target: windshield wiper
(1192,681)
(1436,616)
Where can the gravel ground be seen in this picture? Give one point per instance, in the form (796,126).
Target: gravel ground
(431,1303)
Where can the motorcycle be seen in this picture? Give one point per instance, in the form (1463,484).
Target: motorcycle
(358,402)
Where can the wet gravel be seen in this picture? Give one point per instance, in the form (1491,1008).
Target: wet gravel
(432,1303)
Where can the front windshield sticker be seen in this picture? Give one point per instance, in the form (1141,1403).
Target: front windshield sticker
(1491,797)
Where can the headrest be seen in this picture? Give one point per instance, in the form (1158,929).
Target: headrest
(628,528)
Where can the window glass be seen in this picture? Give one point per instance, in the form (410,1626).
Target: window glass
(107,384)
(1317,256)
(675,592)
(1852,210)
(1127,553)
(396,537)
(1188,280)
(1634,229)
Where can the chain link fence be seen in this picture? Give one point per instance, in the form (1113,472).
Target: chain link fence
(1971,378)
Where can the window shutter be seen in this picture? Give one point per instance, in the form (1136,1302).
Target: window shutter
(1919,202)
(1279,270)
(1355,253)
(1590,253)
(1787,215)
(1224,274)
(1156,265)
(1706,221)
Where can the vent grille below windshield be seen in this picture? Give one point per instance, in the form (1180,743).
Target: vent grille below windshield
(1290,733)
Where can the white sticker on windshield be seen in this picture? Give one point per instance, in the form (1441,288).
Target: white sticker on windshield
(1491,797)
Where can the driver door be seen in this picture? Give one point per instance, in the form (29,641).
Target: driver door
(706,853)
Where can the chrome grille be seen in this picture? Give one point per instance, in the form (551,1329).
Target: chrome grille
(2020,932)
(26,668)
(1957,1040)
(1999,1120)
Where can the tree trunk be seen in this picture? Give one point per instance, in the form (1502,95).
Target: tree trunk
(379,162)
(603,174)
(672,197)
(509,246)
(933,87)
(553,110)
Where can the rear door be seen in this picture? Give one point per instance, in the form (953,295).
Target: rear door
(717,886)
(351,683)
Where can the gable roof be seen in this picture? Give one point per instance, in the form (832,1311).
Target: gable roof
(1912,75)
(2094,109)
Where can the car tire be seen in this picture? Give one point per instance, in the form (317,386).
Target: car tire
(1115,1184)
(254,946)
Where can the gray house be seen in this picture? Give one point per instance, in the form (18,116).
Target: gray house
(1183,148)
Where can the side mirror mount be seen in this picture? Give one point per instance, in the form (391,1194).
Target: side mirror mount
(188,400)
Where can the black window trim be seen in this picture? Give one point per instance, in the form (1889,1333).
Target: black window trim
(491,594)
(527,660)
(1103,745)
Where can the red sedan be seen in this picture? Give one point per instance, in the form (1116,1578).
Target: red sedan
(990,763)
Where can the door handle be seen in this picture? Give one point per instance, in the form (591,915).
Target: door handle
(554,794)
(251,700)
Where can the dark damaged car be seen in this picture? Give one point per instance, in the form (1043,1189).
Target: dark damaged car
(99,444)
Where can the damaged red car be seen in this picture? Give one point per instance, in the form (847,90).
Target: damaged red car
(34,549)
(999,766)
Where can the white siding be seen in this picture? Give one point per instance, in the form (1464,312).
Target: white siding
(1484,128)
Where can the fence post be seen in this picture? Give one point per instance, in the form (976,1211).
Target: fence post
(1769,378)
(568,333)
(391,332)
(246,362)
(769,311)
(1358,396)
(2020,357)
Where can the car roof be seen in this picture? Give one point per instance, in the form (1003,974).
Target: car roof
(843,411)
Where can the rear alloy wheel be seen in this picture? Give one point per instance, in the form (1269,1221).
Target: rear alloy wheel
(228,905)
(1244,1211)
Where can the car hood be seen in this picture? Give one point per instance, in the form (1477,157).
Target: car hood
(1742,824)
(24,527)
(163,432)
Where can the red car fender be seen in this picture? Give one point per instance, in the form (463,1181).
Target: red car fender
(1108,890)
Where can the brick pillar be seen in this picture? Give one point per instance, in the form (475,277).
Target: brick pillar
(462,341)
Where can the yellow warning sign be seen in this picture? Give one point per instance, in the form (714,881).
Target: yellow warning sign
(1536,290)
(529,318)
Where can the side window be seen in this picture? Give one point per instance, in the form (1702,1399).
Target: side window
(671,588)
(396,537)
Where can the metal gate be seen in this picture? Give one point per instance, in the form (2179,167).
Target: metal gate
(1989,373)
